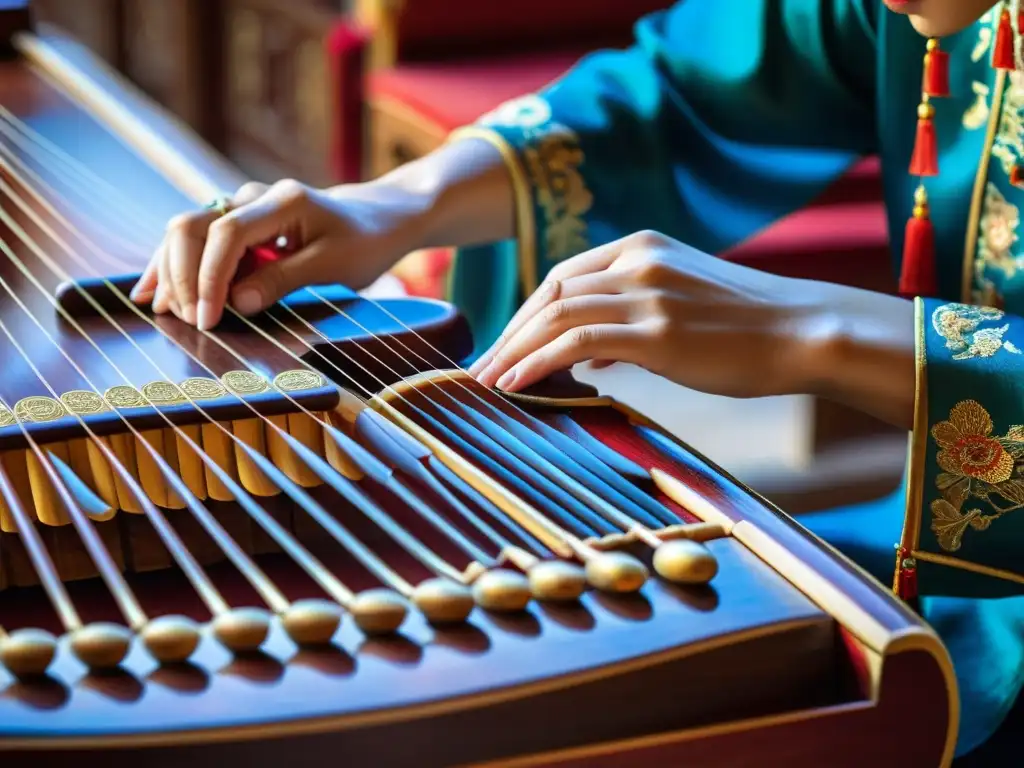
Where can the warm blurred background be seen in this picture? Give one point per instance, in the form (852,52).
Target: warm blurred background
(338,91)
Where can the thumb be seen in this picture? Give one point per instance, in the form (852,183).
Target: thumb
(275,279)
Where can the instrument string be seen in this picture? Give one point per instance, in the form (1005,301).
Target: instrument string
(559,478)
(107,568)
(189,566)
(412,500)
(34,144)
(382,519)
(306,560)
(392,370)
(555,542)
(83,171)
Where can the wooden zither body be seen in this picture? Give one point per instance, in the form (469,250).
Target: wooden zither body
(309,538)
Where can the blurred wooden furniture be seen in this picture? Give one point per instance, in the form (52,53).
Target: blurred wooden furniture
(172,52)
(292,98)
(439,64)
(97,24)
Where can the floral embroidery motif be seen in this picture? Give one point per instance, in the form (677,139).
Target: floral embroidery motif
(958,325)
(999,222)
(976,466)
(977,114)
(553,158)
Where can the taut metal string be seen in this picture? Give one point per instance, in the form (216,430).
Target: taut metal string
(313,461)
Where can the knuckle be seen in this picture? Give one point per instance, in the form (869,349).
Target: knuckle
(249,190)
(290,191)
(556,313)
(181,224)
(226,228)
(584,337)
(648,239)
(649,273)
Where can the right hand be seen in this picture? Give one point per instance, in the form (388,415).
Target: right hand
(350,234)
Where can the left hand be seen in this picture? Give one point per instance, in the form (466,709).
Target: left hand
(649,300)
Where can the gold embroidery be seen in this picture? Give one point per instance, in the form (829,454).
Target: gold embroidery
(958,325)
(998,237)
(553,158)
(975,465)
(984,36)
(978,113)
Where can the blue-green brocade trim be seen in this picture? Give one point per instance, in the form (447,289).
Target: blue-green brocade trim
(552,158)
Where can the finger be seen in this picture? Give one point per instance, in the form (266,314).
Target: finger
(552,322)
(230,236)
(277,279)
(162,298)
(621,343)
(594,260)
(142,291)
(248,192)
(186,238)
(603,282)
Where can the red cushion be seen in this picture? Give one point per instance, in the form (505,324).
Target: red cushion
(452,94)
(442,28)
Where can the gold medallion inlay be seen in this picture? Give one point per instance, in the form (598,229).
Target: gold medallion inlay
(6,417)
(83,402)
(39,409)
(294,381)
(244,382)
(162,393)
(200,388)
(123,396)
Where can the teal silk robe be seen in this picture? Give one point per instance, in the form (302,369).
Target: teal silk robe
(726,115)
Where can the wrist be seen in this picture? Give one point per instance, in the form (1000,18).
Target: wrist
(857,348)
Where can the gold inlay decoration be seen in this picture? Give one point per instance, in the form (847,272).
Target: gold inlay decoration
(199,388)
(979,481)
(82,401)
(123,396)
(959,325)
(39,409)
(163,393)
(244,382)
(6,417)
(553,160)
(295,381)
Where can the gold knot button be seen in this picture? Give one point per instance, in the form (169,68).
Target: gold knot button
(38,409)
(82,401)
(294,381)
(244,382)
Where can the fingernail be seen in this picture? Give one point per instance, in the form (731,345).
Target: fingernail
(482,375)
(206,315)
(506,381)
(248,301)
(188,312)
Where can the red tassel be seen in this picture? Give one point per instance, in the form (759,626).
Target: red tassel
(1003,55)
(936,70)
(918,274)
(906,581)
(1017,175)
(925,160)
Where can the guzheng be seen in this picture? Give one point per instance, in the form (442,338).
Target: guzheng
(309,538)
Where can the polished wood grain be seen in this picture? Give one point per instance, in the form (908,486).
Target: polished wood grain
(767,664)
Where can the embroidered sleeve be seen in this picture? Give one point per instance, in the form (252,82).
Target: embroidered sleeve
(685,131)
(964,528)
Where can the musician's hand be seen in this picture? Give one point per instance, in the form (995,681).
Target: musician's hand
(709,325)
(348,234)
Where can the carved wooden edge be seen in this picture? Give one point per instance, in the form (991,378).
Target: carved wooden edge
(878,620)
(238,395)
